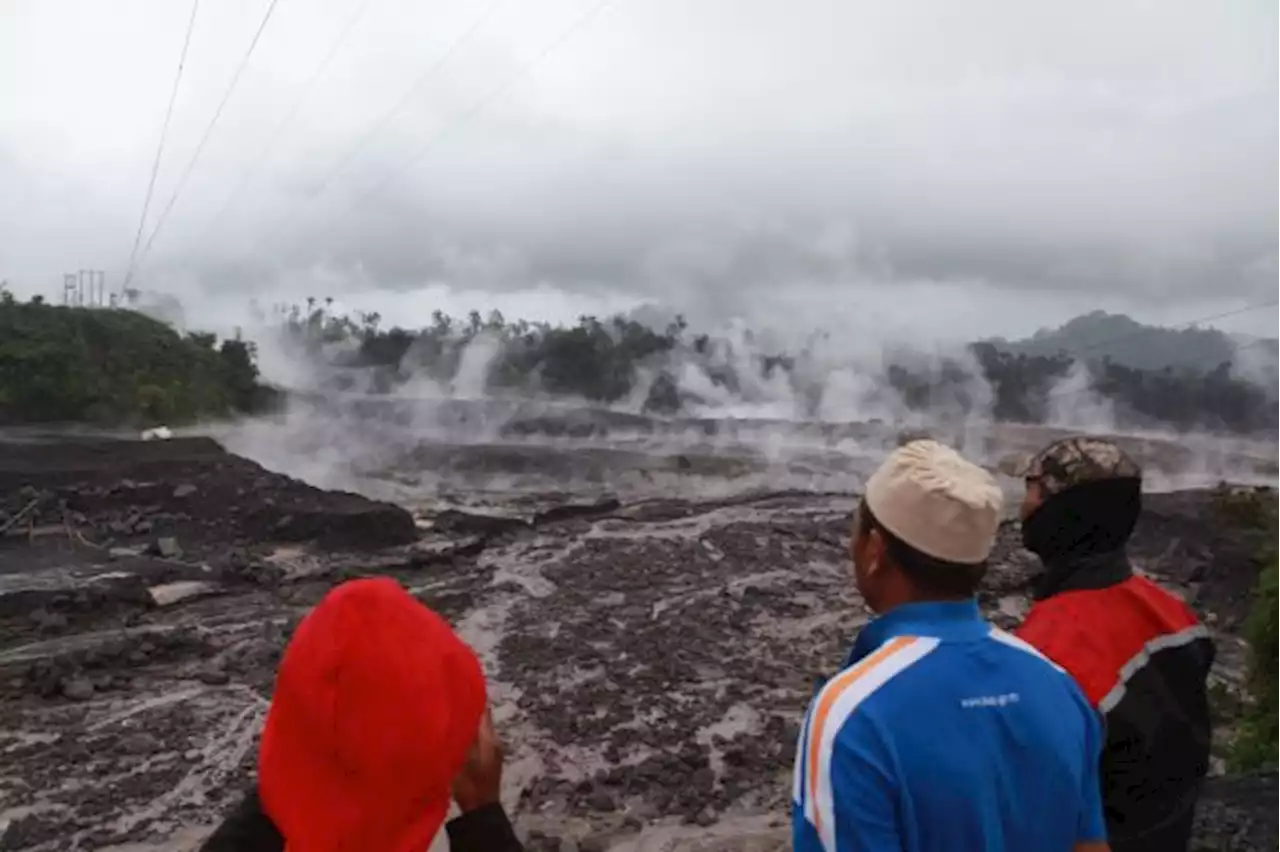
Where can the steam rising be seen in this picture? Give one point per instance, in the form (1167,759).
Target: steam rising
(1073,403)
(823,424)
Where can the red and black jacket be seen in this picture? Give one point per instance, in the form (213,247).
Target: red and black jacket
(1142,658)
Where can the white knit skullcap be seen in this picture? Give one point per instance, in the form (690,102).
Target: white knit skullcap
(934,500)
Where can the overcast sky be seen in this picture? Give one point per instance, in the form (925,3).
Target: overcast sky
(946,168)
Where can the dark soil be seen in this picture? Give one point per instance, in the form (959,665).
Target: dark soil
(648,662)
(132,491)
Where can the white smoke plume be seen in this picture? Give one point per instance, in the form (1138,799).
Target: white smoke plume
(1072,402)
(823,423)
(1256,363)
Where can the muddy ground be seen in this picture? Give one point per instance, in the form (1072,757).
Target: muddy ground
(649,658)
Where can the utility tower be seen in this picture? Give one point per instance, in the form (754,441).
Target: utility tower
(85,287)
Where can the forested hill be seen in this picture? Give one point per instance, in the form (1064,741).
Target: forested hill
(1122,340)
(116,367)
(620,360)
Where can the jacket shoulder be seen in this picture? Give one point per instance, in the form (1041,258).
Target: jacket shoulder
(1095,634)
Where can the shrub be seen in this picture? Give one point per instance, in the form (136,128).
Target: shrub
(1255,746)
(115,367)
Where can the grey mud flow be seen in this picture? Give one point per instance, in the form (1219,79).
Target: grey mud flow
(651,617)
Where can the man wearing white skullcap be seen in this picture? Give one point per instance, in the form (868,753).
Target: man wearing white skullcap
(942,733)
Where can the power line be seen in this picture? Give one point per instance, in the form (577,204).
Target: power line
(386,118)
(347,29)
(1142,332)
(502,90)
(164,132)
(235,78)
(497,94)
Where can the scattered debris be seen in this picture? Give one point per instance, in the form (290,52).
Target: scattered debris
(78,688)
(168,547)
(132,685)
(172,593)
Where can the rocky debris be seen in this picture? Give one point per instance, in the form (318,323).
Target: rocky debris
(457,522)
(77,688)
(105,530)
(172,593)
(90,586)
(649,662)
(1237,814)
(187,490)
(168,547)
(567,511)
(1185,538)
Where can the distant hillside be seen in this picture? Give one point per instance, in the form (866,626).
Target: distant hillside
(1121,339)
(115,367)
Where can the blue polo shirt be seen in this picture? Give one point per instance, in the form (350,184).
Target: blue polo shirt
(945,734)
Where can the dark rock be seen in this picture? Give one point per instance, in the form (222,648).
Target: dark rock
(30,830)
(595,843)
(334,520)
(168,547)
(469,523)
(48,621)
(601,802)
(78,688)
(213,675)
(139,743)
(576,510)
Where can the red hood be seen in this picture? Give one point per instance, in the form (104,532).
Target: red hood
(376,704)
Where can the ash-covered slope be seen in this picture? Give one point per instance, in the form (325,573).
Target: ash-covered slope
(649,660)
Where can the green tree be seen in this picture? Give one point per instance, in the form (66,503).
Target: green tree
(115,366)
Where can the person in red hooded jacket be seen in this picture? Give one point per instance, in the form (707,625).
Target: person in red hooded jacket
(377,723)
(1139,653)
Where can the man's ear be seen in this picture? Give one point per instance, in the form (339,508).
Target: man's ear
(855,532)
(874,557)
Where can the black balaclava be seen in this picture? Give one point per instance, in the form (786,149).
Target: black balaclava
(1089,519)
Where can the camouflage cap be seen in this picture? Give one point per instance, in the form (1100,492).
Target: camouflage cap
(1073,461)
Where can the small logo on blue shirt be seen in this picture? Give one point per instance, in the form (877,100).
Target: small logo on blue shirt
(1004,699)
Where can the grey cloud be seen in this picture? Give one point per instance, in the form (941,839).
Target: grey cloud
(723,152)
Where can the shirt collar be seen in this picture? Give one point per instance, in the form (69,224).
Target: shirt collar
(942,619)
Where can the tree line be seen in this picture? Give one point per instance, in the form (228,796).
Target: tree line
(114,366)
(610,360)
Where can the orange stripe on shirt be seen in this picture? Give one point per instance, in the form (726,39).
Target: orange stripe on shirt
(831,694)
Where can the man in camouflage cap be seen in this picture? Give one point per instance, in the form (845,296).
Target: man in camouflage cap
(1137,651)
(1075,461)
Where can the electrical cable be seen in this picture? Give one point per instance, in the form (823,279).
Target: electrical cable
(503,89)
(164,133)
(289,115)
(191,164)
(493,96)
(385,119)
